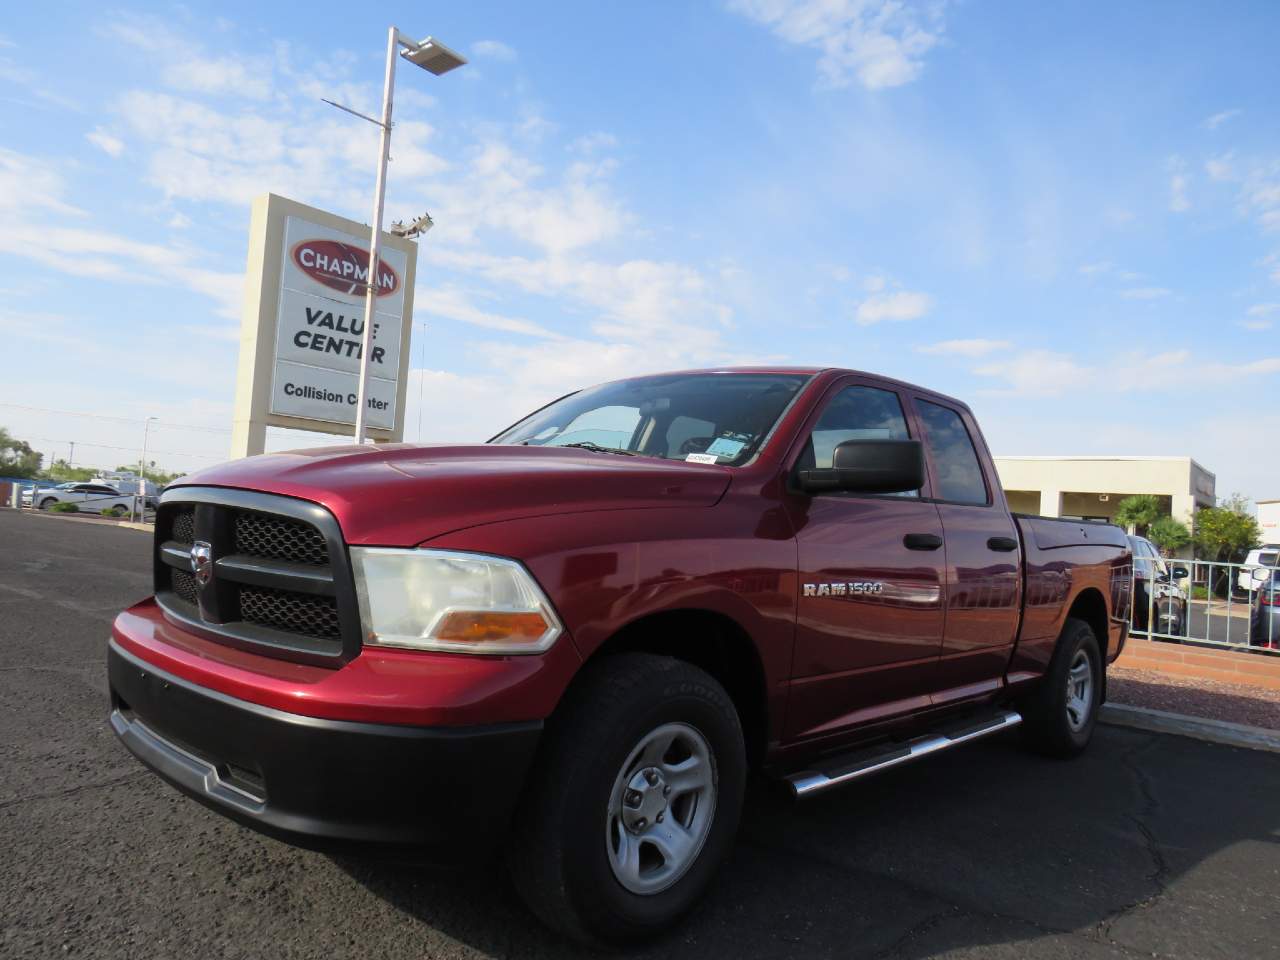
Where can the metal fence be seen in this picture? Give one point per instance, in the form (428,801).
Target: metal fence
(1224,605)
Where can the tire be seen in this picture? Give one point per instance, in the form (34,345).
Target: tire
(1059,716)
(47,502)
(119,511)
(588,854)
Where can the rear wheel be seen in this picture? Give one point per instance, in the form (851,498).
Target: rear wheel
(635,800)
(47,502)
(119,510)
(1059,716)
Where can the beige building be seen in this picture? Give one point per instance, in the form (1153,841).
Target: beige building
(1091,487)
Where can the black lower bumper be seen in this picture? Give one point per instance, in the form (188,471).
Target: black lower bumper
(440,794)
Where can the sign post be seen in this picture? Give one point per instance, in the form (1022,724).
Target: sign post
(303,329)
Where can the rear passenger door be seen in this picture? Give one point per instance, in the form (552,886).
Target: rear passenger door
(983,557)
(869,615)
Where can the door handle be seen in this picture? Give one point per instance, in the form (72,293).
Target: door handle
(1003,544)
(922,541)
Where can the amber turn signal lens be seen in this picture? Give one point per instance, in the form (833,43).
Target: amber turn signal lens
(477,626)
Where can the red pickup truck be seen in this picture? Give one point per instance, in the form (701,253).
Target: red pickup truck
(572,643)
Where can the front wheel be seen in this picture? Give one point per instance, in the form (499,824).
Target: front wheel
(635,800)
(1059,716)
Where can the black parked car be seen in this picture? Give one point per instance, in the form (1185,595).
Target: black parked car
(1156,591)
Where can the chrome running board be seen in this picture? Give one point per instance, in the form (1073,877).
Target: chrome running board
(839,770)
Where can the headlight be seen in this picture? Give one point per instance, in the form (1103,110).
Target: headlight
(460,602)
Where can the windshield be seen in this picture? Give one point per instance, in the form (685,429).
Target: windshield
(703,417)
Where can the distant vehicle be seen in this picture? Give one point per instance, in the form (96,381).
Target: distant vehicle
(1264,556)
(1264,608)
(1153,579)
(89,497)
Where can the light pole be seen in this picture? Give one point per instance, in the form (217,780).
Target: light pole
(434,57)
(142,471)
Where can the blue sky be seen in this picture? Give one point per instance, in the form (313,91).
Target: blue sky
(1068,215)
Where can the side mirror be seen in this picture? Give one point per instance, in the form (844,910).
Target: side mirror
(868,466)
(1261,574)
(1180,573)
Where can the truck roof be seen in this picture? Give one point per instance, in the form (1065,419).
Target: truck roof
(808,371)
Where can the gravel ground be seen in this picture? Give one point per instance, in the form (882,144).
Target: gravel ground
(1210,699)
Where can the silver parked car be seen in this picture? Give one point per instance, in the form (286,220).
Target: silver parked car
(89,497)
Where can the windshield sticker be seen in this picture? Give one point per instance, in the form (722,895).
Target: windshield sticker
(724,447)
(701,458)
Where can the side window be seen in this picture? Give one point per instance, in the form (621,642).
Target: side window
(955,462)
(1141,559)
(856,413)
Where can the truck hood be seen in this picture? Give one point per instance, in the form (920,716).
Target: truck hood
(402,494)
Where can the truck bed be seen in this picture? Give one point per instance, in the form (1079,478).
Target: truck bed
(1062,559)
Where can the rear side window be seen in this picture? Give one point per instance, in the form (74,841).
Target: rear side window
(955,461)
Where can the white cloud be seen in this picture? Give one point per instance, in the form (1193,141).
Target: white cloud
(1218,119)
(36,217)
(594,142)
(1220,168)
(456,305)
(112,146)
(898,306)
(1145,293)
(1258,181)
(1178,182)
(1037,373)
(876,43)
(221,75)
(493,50)
(1049,373)
(1256,325)
(976,347)
(1095,269)
(185,65)
(1263,309)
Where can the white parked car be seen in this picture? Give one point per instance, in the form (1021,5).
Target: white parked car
(1264,556)
(89,497)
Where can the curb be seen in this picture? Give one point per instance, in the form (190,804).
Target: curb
(1180,724)
(81,518)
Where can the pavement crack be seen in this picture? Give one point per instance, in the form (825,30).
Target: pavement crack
(1141,820)
(921,926)
(78,788)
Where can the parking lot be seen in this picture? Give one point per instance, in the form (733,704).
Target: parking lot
(1148,846)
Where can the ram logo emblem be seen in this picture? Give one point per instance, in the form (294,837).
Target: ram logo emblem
(848,588)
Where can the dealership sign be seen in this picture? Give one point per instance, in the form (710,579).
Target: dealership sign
(308,311)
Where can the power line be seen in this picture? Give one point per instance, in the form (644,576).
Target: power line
(101,416)
(105,446)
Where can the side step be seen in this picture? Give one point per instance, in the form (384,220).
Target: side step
(839,770)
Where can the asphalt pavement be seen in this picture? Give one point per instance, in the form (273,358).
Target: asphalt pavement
(1149,845)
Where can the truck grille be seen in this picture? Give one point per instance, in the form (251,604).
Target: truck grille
(276,538)
(296,613)
(281,582)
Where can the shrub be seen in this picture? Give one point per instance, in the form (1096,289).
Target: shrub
(1169,534)
(64,508)
(1138,511)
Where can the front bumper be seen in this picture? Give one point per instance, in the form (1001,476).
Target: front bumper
(444,794)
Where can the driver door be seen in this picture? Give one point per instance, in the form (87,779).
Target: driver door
(869,622)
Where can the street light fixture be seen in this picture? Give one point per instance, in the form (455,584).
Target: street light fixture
(434,57)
